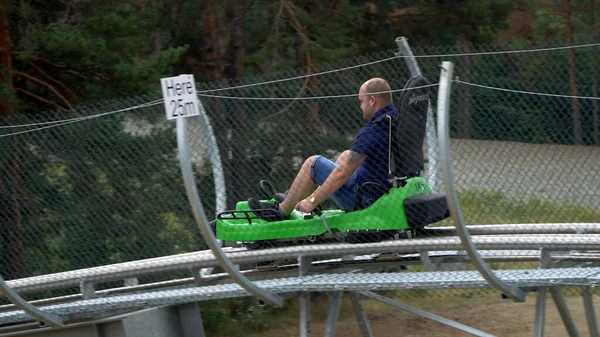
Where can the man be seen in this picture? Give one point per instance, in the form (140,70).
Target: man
(366,161)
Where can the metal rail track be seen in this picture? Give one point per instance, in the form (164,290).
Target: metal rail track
(205,259)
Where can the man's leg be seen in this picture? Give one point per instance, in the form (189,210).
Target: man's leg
(304,185)
(313,172)
(301,188)
(341,157)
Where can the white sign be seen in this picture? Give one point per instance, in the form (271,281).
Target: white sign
(179,94)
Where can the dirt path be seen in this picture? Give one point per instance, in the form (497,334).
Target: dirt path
(499,318)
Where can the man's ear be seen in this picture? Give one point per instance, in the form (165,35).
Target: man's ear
(373,100)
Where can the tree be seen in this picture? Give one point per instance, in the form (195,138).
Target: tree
(594,51)
(54,55)
(66,53)
(11,228)
(6,88)
(464,22)
(548,25)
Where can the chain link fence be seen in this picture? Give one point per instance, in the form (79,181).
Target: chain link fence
(95,191)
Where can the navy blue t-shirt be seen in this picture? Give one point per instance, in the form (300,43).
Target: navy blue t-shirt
(372,141)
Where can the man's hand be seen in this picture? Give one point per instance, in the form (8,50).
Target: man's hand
(305,206)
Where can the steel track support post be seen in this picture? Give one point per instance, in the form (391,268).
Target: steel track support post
(131,282)
(200,217)
(425,314)
(88,289)
(563,310)
(433,168)
(304,264)
(426,260)
(304,303)
(540,312)
(443,106)
(334,313)
(590,312)
(361,316)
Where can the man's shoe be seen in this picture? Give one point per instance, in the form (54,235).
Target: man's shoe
(270,212)
(280,197)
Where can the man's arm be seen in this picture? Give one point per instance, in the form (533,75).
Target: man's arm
(348,162)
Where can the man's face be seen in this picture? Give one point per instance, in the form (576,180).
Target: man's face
(367,104)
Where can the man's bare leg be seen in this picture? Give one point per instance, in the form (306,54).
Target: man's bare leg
(343,156)
(301,188)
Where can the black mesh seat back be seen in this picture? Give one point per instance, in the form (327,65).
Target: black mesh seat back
(409,131)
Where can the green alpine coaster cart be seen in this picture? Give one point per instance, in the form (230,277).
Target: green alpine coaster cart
(403,211)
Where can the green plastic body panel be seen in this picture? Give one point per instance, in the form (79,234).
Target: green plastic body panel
(387,213)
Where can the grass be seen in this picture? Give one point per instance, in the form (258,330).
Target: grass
(284,321)
(480,207)
(242,318)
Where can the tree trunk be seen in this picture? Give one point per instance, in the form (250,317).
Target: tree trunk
(6,89)
(235,16)
(577,138)
(213,72)
(240,171)
(212,57)
(465,93)
(11,230)
(312,118)
(596,119)
(313,121)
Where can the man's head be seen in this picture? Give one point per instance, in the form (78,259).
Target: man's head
(371,96)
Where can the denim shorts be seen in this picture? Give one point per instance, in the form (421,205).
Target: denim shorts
(345,196)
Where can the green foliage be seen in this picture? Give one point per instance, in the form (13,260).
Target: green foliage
(98,50)
(238,317)
(100,192)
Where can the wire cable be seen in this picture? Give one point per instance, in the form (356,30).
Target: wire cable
(310,98)
(402,56)
(525,92)
(203,92)
(83,117)
(74,120)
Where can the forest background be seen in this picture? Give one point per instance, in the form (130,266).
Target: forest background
(58,54)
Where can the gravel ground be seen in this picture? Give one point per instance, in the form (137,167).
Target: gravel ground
(557,173)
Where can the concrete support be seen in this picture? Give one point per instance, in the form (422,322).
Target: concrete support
(173,321)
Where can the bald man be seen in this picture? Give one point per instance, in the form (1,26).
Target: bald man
(366,161)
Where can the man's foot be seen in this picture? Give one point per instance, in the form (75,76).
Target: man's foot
(274,213)
(280,197)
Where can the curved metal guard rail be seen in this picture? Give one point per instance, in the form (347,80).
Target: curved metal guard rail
(16,299)
(200,217)
(448,178)
(215,158)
